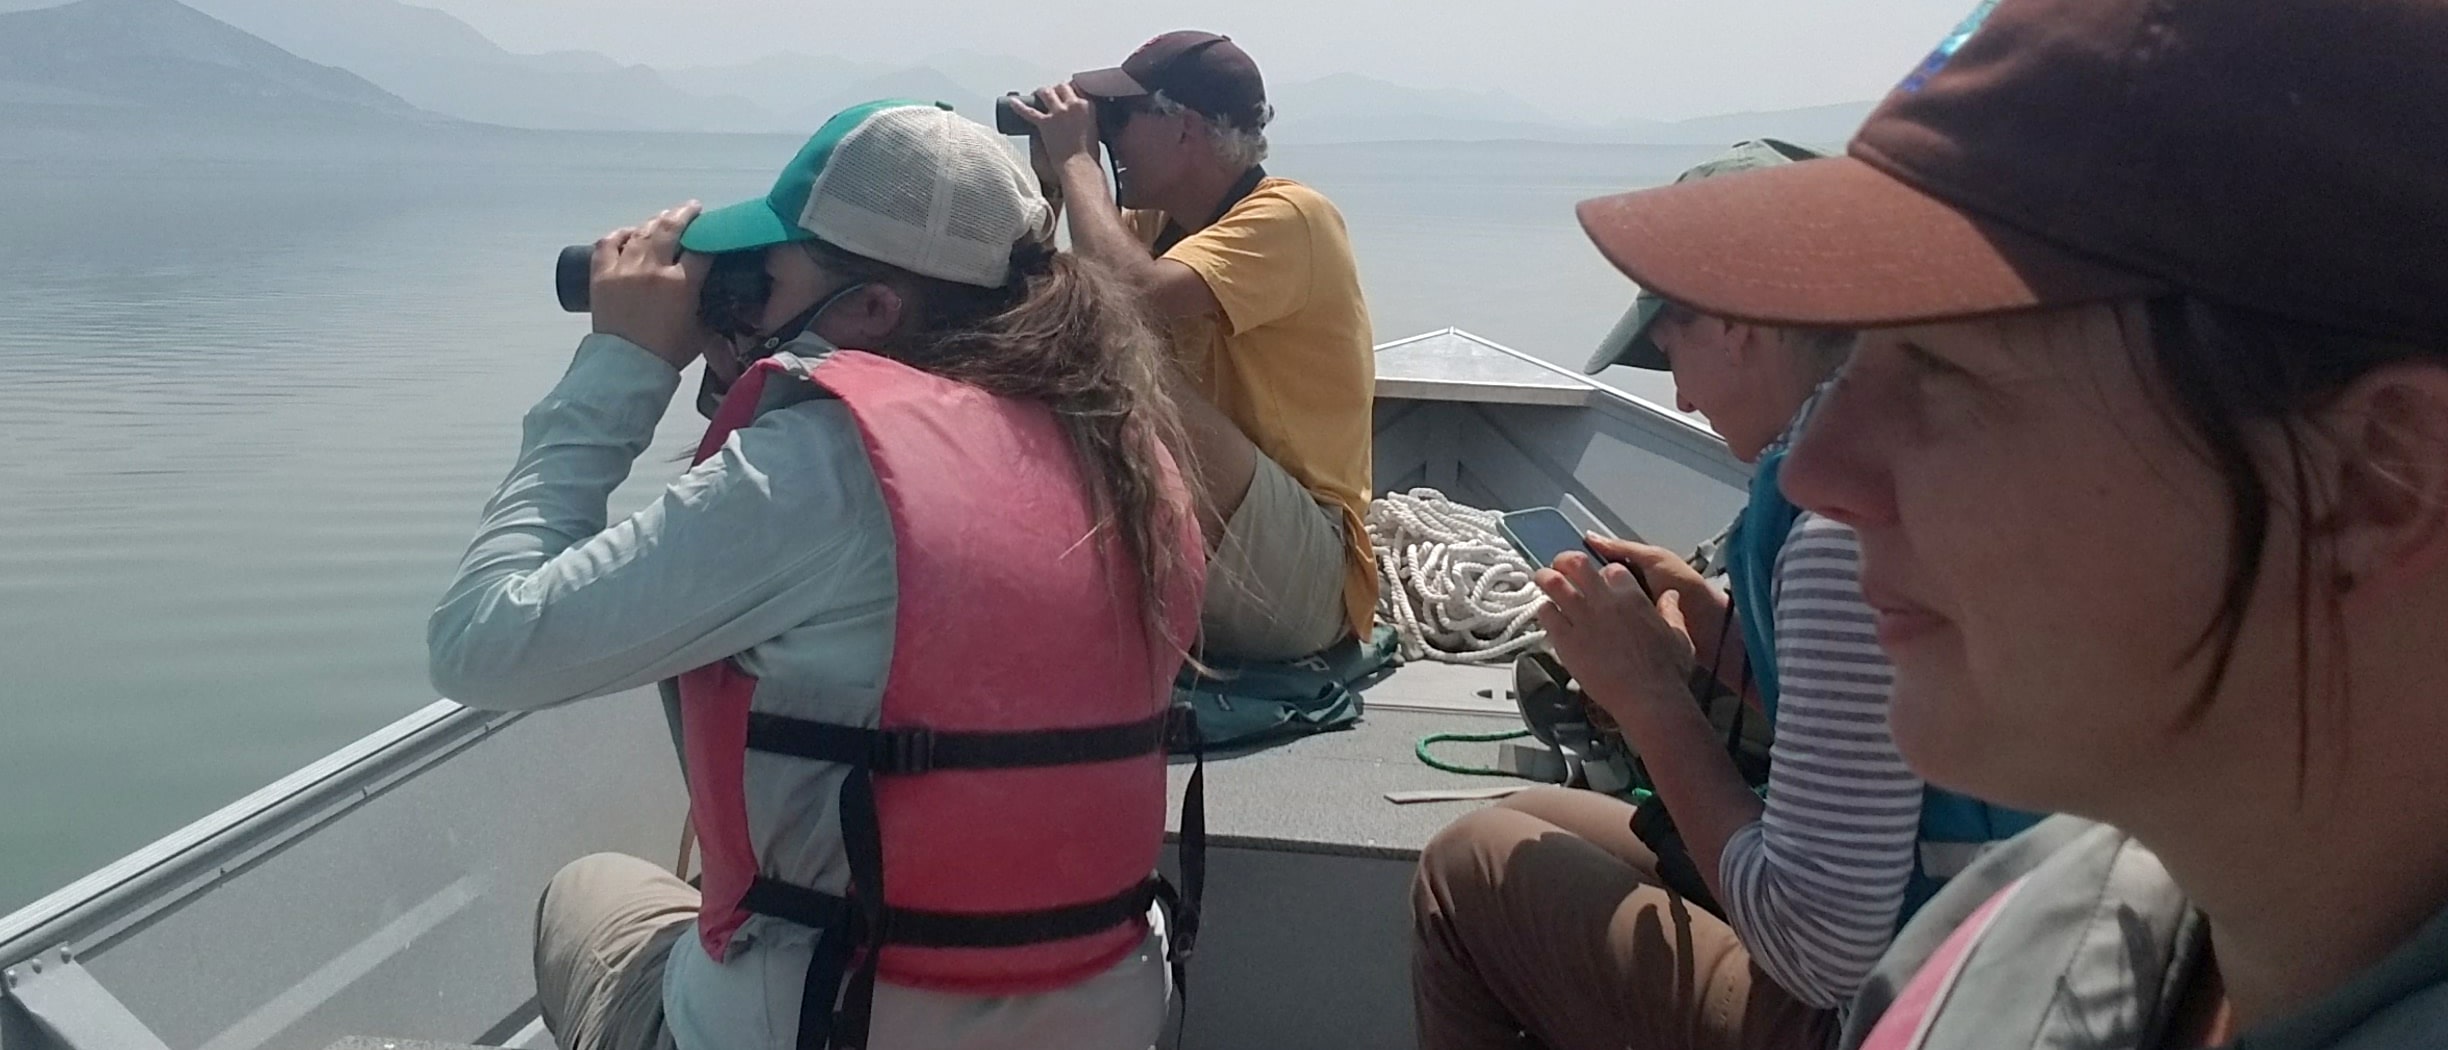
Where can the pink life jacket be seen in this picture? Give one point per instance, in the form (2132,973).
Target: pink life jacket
(1011,806)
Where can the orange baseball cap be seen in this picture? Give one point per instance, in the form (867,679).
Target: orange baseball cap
(2289,156)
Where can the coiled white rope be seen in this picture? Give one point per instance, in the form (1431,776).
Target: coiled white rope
(1453,586)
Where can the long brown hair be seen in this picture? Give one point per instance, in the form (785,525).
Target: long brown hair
(1062,332)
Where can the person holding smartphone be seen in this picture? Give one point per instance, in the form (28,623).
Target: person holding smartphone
(1547,916)
(2146,443)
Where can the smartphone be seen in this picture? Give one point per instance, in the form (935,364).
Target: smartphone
(1587,522)
(1543,533)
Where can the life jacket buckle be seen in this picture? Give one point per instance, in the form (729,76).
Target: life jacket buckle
(1181,729)
(908,752)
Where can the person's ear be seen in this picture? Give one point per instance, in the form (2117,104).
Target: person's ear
(865,319)
(2388,466)
(1745,344)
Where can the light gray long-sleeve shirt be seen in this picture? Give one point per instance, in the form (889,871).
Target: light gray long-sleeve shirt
(778,551)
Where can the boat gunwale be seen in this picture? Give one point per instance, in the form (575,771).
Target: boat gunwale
(163,874)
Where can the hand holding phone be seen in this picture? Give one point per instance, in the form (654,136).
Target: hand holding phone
(1542,534)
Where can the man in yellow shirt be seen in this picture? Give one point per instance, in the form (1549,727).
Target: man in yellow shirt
(1254,275)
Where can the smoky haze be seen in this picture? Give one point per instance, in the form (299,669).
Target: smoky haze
(1595,59)
(1564,71)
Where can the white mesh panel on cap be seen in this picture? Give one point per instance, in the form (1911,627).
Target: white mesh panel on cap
(929,191)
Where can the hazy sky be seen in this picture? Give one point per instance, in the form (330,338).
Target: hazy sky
(1602,58)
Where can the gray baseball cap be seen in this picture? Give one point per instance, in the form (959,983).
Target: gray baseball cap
(1629,342)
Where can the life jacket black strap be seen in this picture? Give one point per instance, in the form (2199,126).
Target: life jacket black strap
(837,1002)
(828,975)
(911,751)
(914,928)
(1183,727)
(1183,906)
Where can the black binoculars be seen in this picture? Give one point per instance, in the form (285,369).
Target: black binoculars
(732,303)
(1111,113)
(1007,114)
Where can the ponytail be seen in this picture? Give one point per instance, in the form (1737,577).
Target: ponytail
(1063,332)
(1032,258)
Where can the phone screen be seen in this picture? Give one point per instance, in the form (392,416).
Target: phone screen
(1543,533)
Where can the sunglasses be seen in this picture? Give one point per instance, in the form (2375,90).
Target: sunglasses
(1113,114)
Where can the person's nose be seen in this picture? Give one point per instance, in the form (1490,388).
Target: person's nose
(1840,465)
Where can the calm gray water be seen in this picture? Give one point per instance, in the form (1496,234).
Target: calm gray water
(252,395)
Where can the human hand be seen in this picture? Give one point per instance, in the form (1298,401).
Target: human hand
(1066,123)
(1049,175)
(1704,607)
(1627,652)
(645,288)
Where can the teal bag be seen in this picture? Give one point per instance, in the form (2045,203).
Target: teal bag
(1244,704)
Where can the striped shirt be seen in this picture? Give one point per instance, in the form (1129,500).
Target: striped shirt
(1814,887)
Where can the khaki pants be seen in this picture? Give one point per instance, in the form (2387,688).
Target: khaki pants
(608,923)
(604,928)
(1540,923)
(1275,585)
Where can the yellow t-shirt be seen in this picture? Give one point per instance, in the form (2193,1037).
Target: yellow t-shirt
(1291,359)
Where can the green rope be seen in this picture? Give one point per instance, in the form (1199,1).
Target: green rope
(1465,738)
(1635,795)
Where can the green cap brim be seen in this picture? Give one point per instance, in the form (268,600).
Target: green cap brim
(738,228)
(1629,342)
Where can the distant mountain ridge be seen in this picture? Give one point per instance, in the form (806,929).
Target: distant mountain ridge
(94,58)
(1829,125)
(802,89)
(1352,108)
(435,60)
(422,58)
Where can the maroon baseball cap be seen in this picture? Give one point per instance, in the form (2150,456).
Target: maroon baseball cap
(1204,71)
(2289,156)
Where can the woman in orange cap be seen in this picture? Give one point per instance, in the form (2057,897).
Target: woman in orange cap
(2146,442)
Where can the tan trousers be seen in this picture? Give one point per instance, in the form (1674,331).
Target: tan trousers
(1275,585)
(1540,922)
(604,928)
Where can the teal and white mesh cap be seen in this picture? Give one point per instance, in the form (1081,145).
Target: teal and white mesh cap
(911,184)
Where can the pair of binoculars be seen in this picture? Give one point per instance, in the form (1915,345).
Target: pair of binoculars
(731,302)
(1111,113)
(1007,114)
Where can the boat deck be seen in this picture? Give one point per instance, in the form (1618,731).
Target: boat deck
(1309,866)
(1327,793)
(1454,365)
